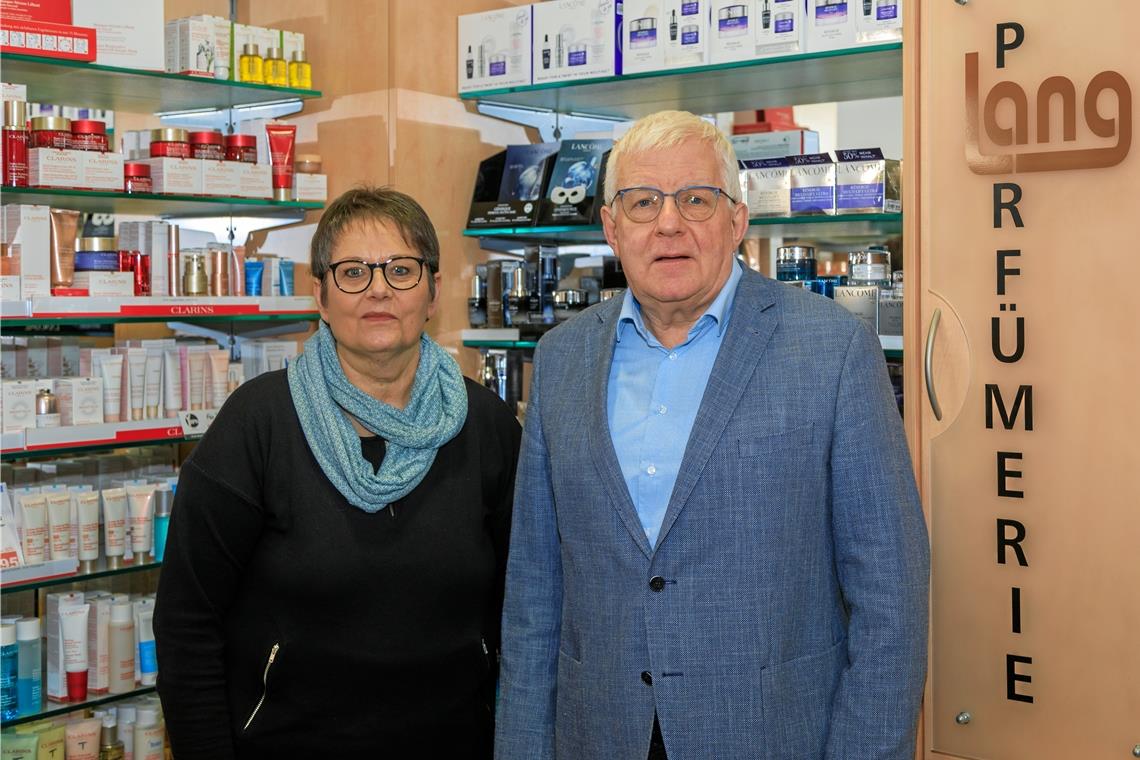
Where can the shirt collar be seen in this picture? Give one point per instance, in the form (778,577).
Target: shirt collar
(718,311)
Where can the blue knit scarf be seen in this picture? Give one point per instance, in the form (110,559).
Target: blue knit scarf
(435,414)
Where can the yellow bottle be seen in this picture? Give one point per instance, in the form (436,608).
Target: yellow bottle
(250,66)
(300,72)
(276,72)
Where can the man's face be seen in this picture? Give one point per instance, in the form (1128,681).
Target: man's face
(673,263)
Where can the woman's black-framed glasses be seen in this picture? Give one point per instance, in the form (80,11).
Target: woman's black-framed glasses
(697,203)
(355,276)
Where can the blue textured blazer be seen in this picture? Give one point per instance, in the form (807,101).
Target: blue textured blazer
(783,612)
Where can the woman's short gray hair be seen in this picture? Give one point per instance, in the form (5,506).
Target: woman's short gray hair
(379,205)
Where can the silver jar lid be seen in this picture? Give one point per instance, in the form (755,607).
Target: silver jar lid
(795,253)
(570,298)
(869,256)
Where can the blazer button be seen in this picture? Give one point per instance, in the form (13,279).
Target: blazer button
(647,678)
(657,583)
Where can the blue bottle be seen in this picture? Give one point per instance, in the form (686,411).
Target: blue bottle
(163,502)
(8,666)
(29,676)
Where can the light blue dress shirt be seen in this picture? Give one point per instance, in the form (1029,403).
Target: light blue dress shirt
(653,396)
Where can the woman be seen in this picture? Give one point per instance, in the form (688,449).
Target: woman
(334,571)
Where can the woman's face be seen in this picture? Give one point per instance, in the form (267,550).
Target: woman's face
(380,320)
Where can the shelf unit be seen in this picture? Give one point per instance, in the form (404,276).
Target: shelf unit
(56,311)
(52,709)
(101,571)
(182,206)
(71,83)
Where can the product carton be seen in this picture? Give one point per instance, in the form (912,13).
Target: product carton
(576,39)
(101,171)
(19,398)
(244,34)
(867,183)
(495,49)
(830,24)
(862,301)
(292,42)
(813,184)
(51,11)
(54,167)
(199,46)
(29,227)
(310,187)
(105,284)
(129,33)
(13,91)
(255,180)
(890,317)
(669,35)
(767,184)
(878,21)
(175,176)
(760,145)
(744,30)
(73,43)
(222,178)
(80,399)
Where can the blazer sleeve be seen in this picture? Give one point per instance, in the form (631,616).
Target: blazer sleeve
(532,610)
(883,563)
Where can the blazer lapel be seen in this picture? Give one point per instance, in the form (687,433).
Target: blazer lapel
(599,351)
(749,329)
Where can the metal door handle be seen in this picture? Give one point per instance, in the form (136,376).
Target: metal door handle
(929,365)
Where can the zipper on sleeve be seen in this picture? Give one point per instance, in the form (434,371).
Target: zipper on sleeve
(264,686)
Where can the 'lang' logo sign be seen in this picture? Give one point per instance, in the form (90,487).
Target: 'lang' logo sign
(1018,157)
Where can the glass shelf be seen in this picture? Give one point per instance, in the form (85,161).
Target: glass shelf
(873,71)
(102,202)
(89,85)
(832,227)
(891,344)
(101,571)
(500,343)
(55,311)
(52,709)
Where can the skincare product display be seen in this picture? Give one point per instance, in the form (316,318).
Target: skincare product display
(831,24)
(495,49)
(664,35)
(584,38)
(214,47)
(867,183)
(812,184)
(743,30)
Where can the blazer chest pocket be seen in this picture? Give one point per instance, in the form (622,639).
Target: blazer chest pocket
(787,446)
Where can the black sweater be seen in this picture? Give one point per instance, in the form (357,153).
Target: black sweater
(382,628)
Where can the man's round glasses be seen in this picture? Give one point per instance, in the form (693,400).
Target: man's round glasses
(355,276)
(696,203)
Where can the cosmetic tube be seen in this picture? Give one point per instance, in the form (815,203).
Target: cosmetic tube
(122,649)
(9,667)
(59,523)
(282,138)
(64,230)
(140,502)
(52,741)
(147,664)
(29,673)
(33,530)
(163,503)
(148,735)
(127,714)
(73,620)
(114,526)
(98,642)
(171,382)
(253,272)
(152,383)
(110,746)
(137,606)
(22,745)
(110,368)
(82,742)
(219,366)
(87,503)
(131,392)
(237,270)
(197,361)
(285,277)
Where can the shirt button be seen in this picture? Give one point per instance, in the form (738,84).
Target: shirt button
(662,409)
(657,583)
(651,470)
(673,356)
(647,678)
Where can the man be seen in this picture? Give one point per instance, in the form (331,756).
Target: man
(717,548)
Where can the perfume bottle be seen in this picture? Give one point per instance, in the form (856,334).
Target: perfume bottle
(766,15)
(673,27)
(515,302)
(470,63)
(546,51)
(251,68)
